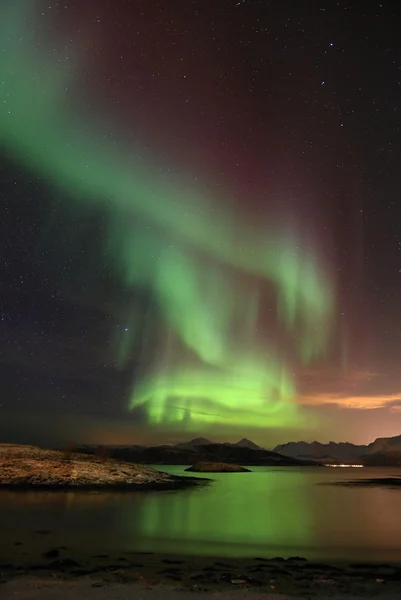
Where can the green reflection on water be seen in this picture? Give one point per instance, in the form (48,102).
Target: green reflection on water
(243,513)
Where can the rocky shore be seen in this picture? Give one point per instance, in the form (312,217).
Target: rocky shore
(29,467)
(294,577)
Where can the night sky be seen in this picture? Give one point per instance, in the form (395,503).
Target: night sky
(255,121)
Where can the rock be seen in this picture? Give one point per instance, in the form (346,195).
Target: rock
(173,576)
(277,559)
(43,531)
(396,576)
(53,553)
(216,467)
(316,566)
(63,564)
(29,467)
(170,561)
(170,571)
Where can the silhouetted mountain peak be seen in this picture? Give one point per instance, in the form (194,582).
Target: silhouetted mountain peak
(245,443)
(196,442)
(331,452)
(385,444)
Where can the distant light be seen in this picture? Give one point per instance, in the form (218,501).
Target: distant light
(126,329)
(347,466)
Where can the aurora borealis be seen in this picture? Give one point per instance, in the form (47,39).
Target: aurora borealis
(216,285)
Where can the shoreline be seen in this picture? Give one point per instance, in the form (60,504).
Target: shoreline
(174,482)
(294,576)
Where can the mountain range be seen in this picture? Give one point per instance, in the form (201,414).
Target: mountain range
(381,452)
(244,452)
(244,443)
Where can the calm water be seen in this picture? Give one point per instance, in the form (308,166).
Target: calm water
(269,512)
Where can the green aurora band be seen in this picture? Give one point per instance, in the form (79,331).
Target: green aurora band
(208,271)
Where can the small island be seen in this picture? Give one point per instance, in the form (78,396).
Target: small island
(30,467)
(217,467)
(392,482)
